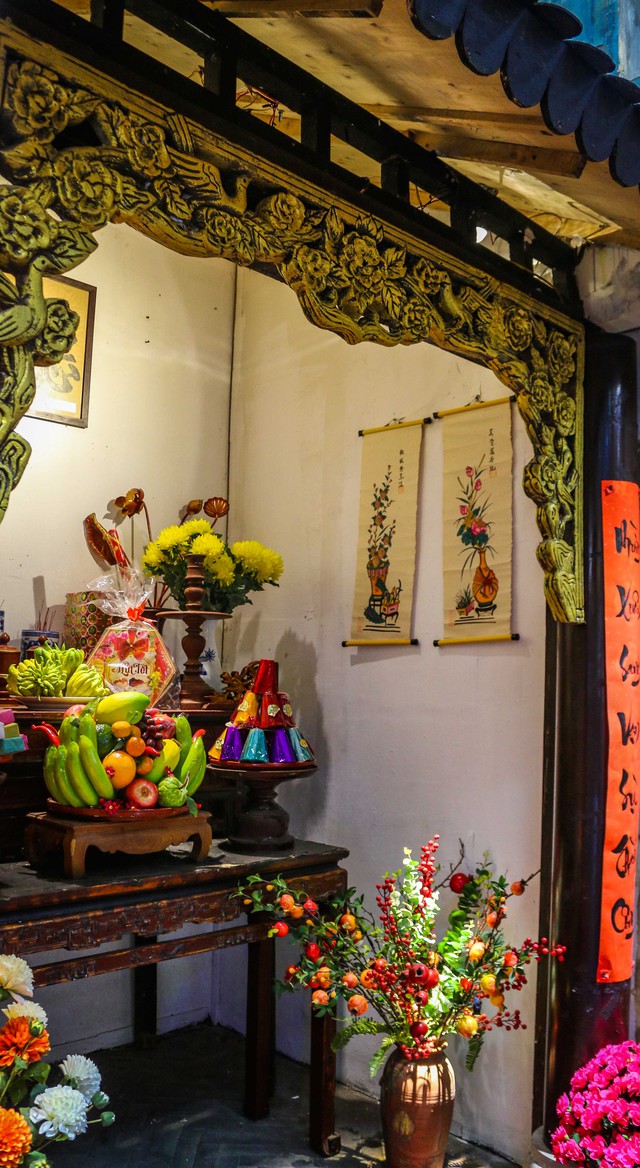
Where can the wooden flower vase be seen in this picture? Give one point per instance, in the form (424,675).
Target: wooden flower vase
(195,694)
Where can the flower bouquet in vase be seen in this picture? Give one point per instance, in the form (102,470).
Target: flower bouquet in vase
(401,980)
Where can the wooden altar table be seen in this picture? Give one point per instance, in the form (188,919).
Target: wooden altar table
(149,896)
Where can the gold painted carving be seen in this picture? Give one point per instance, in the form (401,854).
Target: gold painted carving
(77,161)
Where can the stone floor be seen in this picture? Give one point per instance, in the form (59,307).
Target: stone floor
(179,1106)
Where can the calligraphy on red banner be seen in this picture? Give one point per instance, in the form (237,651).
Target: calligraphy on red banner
(621,554)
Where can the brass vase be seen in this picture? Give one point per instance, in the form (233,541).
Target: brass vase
(416,1103)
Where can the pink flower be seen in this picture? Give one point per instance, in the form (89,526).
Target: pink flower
(571,1153)
(469,472)
(477,484)
(477,527)
(464,510)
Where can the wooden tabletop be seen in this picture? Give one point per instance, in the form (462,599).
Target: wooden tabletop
(23,889)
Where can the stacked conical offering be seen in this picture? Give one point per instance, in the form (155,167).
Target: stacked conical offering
(262,729)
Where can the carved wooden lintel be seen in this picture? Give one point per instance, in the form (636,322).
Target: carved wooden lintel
(355,276)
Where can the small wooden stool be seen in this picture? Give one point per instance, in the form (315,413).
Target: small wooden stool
(47,834)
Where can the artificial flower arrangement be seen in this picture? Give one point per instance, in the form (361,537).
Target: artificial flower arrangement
(231,572)
(600,1115)
(422,989)
(33,1115)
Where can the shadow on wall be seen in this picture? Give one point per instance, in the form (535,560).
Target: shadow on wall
(298,660)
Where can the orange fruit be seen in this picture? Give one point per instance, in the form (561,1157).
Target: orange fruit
(348,922)
(320,998)
(135,732)
(357,1004)
(121,729)
(123,767)
(135,746)
(144,765)
(296,911)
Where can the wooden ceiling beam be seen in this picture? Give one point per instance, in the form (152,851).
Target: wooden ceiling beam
(513,154)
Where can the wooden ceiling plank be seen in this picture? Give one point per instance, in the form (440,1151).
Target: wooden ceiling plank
(536,158)
(422,113)
(245,9)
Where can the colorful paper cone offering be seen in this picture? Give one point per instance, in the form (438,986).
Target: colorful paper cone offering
(287,709)
(232,746)
(271,714)
(266,677)
(302,750)
(280,748)
(262,729)
(246,712)
(216,749)
(255,747)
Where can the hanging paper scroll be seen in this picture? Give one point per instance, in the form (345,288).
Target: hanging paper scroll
(385,567)
(621,552)
(477,536)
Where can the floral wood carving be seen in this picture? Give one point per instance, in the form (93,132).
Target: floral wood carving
(352,275)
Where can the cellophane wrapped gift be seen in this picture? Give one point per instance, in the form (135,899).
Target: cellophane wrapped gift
(131,653)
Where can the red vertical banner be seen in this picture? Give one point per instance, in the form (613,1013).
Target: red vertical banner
(621,553)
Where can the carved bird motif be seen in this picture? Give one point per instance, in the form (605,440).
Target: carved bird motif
(24,314)
(204,179)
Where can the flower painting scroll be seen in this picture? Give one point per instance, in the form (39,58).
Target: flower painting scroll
(383,595)
(477,536)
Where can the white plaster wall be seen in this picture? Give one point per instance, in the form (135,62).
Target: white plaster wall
(158,419)
(411,741)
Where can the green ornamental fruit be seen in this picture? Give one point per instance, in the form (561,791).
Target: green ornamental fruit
(171,793)
(106,740)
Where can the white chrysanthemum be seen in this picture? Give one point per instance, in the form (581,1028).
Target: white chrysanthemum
(60,1111)
(15,975)
(21,1009)
(84,1072)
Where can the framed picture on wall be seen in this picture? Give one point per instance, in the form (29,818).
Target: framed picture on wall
(62,390)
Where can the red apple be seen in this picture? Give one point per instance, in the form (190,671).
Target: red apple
(141,793)
(74,711)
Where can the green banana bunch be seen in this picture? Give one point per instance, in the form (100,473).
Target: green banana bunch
(74,775)
(85,681)
(42,677)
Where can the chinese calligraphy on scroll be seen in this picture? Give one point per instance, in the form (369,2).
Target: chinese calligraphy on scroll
(621,553)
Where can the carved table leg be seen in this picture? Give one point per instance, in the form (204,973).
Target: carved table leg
(75,852)
(260,1030)
(322,1087)
(202,843)
(145,999)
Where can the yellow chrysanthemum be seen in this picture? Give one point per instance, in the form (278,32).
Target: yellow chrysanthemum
(209,545)
(222,568)
(260,561)
(172,537)
(15,1138)
(152,558)
(196,527)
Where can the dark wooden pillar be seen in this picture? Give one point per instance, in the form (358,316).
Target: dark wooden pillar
(259,1046)
(576,1015)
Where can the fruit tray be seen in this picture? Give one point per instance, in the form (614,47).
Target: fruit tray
(127,815)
